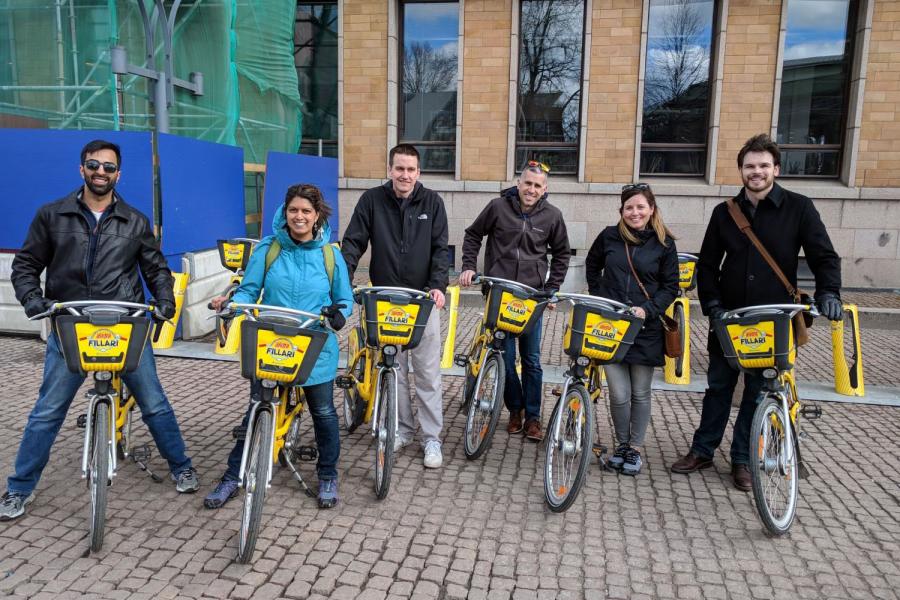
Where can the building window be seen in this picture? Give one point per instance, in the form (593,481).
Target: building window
(812,110)
(316,59)
(428,72)
(551,48)
(677,87)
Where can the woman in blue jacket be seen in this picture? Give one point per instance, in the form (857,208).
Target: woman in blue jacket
(298,279)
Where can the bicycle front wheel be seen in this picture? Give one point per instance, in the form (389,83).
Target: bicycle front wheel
(255,481)
(385,433)
(569,448)
(774,471)
(484,408)
(354,408)
(99,472)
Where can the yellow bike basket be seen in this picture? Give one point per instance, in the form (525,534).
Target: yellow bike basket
(394,318)
(102,341)
(599,333)
(234,254)
(760,341)
(512,310)
(282,353)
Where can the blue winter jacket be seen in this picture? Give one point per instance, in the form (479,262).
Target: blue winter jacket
(297,279)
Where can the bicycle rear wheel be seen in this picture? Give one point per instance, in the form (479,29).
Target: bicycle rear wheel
(255,481)
(98,475)
(484,408)
(384,433)
(569,448)
(354,409)
(774,471)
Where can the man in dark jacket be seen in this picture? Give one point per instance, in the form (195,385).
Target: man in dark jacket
(521,226)
(92,245)
(406,224)
(731,274)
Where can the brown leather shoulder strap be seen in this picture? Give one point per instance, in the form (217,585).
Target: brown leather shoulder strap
(633,272)
(744,225)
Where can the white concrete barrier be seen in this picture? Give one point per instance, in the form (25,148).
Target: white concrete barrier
(12,316)
(206,278)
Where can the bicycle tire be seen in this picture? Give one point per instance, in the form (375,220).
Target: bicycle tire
(481,419)
(384,434)
(99,473)
(354,409)
(772,468)
(255,476)
(123,446)
(288,452)
(563,454)
(678,315)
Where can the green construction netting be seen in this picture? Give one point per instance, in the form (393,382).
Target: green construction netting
(55,69)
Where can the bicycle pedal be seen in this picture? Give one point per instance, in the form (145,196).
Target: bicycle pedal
(461,360)
(811,411)
(599,450)
(557,391)
(345,382)
(239,432)
(141,453)
(308,453)
(81,421)
(803,472)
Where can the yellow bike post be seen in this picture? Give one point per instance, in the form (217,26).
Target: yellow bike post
(447,357)
(167,334)
(678,370)
(848,378)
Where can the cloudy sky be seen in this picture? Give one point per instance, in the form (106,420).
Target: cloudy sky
(815,28)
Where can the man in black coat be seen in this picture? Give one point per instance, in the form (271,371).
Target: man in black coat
(93,246)
(731,274)
(521,226)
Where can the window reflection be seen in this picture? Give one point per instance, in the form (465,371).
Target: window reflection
(677,87)
(316,59)
(428,82)
(815,74)
(550,65)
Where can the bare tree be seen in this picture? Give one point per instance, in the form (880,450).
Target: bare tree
(426,69)
(681,59)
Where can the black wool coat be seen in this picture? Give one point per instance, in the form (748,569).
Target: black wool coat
(609,275)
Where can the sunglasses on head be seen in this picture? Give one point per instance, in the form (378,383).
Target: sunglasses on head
(94,165)
(635,186)
(543,167)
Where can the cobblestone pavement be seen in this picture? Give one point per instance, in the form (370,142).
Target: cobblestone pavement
(469,530)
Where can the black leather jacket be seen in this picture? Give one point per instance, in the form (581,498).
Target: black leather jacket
(59,241)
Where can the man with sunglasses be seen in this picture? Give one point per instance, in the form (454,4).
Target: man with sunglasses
(93,246)
(521,228)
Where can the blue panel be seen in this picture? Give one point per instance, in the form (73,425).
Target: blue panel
(284,170)
(202,190)
(48,159)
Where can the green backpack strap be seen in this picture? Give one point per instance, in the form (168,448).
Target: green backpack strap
(271,254)
(327,251)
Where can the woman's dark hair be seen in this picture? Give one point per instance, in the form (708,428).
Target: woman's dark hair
(309,192)
(656,220)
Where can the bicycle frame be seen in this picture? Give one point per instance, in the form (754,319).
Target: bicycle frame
(268,401)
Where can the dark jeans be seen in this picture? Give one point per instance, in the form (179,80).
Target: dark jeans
(320,402)
(527,393)
(57,392)
(721,381)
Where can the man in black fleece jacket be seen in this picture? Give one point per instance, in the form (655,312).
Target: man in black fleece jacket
(406,224)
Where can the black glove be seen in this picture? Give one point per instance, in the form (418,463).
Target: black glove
(830,307)
(36,305)
(715,311)
(165,309)
(335,316)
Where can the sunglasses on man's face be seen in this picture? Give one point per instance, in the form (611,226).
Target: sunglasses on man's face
(543,167)
(635,186)
(94,165)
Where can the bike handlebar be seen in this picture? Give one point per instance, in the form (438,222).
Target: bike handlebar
(247,309)
(74,305)
(792,309)
(613,304)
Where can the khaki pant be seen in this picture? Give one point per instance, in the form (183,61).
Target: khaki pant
(426,363)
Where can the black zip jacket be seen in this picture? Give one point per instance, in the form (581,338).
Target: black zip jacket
(731,273)
(408,237)
(518,242)
(88,261)
(608,275)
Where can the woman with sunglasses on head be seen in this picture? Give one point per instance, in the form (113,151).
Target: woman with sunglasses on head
(635,262)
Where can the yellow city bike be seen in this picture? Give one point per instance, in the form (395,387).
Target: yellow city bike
(234,254)
(392,319)
(599,332)
(511,309)
(104,338)
(678,370)
(279,347)
(760,340)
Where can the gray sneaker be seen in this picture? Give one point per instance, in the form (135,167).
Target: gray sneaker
(633,463)
(186,482)
(401,441)
(12,506)
(618,458)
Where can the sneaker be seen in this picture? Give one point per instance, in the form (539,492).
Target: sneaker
(533,430)
(401,441)
(225,491)
(515,422)
(618,458)
(12,506)
(186,482)
(633,462)
(433,457)
(328,493)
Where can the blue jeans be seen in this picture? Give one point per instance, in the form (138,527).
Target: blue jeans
(320,402)
(57,392)
(527,393)
(721,381)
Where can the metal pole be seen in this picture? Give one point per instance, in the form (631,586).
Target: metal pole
(160,104)
(60,56)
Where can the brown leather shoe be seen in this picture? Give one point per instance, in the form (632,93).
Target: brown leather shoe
(515,422)
(740,475)
(690,462)
(533,430)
